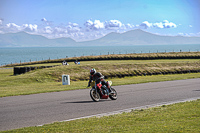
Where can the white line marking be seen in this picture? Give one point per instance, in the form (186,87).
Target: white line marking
(131,109)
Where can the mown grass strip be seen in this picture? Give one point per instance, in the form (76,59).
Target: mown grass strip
(180,117)
(26,87)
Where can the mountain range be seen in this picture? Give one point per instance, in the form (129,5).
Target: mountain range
(134,37)
(22,39)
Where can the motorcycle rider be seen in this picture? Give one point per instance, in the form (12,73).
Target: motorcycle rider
(97,77)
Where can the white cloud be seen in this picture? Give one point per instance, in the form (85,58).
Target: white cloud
(46,31)
(160,25)
(129,26)
(190,34)
(59,30)
(137,25)
(96,29)
(88,23)
(181,34)
(44,19)
(73,28)
(146,24)
(73,24)
(46,22)
(96,25)
(1,22)
(168,24)
(12,27)
(91,29)
(190,26)
(70,30)
(29,27)
(113,24)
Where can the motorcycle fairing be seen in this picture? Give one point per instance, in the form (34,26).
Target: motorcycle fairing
(106,94)
(99,85)
(104,97)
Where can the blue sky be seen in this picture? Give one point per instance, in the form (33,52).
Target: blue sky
(90,19)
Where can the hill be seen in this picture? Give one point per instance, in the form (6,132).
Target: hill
(134,37)
(22,39)
(139,37)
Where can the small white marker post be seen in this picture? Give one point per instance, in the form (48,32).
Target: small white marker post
(65,79)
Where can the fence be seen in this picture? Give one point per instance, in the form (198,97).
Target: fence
(100,53)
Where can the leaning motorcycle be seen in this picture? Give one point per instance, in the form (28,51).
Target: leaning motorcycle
(100,91)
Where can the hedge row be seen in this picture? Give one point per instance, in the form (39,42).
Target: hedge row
(195,55)
(21,70)
(150,73)
(136,73)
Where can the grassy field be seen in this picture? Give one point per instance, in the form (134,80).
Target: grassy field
(49,79)
(180,117)
(116,68)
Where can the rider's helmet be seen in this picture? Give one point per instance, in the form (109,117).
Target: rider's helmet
(92,71)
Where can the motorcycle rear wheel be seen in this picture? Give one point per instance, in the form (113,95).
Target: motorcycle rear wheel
(114,95)
(94,95)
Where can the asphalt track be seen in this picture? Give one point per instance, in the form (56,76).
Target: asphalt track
(39,109)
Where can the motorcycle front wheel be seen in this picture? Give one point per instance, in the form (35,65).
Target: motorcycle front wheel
(94,95)
(113,95)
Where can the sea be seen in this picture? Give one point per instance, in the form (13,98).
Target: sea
(11,55)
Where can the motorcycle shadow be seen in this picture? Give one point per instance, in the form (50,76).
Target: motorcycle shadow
(85,101)
(196,90)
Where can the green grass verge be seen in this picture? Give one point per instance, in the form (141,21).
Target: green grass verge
(26,88)
(180,117)
(113,68)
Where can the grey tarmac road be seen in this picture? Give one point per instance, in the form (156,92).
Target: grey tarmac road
(38,109)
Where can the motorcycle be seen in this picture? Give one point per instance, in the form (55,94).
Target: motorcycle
(100,91)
